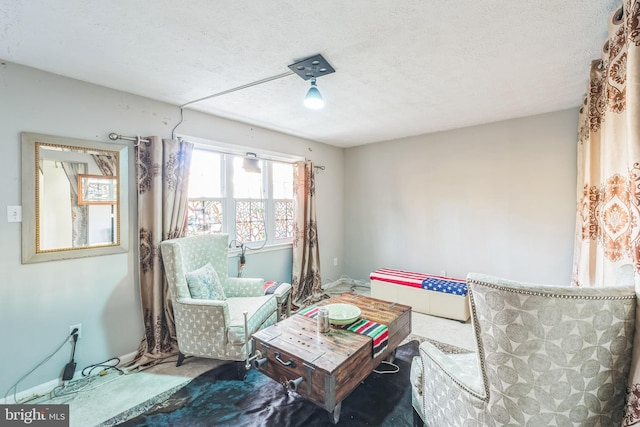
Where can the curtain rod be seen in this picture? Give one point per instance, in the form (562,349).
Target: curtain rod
(114,137)
(250,154)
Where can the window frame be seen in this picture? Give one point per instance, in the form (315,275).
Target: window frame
(228,153)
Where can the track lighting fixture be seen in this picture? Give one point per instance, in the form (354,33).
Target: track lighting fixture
(308,69)
(311,69)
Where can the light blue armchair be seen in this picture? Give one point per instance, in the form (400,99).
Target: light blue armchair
(209,307)
(546,355)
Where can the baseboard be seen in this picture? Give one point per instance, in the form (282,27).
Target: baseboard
(42,390)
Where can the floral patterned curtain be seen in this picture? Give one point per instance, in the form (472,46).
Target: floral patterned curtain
(608,215)
(107,163)
(306,280)
(607,245)
(162,169)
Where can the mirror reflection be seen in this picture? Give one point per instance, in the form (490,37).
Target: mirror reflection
(77,198)
(74,198)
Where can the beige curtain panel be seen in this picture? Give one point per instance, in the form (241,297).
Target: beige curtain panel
(162,168)
(306,281)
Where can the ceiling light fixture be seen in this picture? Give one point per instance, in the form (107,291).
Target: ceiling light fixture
(313,99)
(310,69)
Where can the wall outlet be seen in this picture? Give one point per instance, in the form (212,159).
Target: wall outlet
(335,262)
(443,273)
(72,327)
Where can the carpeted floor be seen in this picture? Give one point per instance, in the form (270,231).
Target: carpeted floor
(215,398)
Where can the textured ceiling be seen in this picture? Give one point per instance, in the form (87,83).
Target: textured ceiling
(402,67)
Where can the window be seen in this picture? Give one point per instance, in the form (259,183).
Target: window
(251,199)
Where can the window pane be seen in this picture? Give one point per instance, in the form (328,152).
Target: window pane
(247,178)
(250,225)
(284,219)
(239,194)
(282,180)
(204,217)
(205,175)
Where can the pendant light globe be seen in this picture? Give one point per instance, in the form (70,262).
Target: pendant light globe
(313,100)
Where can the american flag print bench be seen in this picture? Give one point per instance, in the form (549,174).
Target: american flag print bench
(429,294)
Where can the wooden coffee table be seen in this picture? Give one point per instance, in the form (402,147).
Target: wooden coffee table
(326,368)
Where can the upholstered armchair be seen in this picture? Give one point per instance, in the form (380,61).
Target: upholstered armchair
(546,355)
(208,306)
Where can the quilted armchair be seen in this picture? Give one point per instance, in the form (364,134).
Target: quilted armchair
(546,355)
(208,306)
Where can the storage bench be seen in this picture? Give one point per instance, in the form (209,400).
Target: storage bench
(434,295)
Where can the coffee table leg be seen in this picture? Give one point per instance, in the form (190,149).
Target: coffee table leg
(391,357)
(334,416)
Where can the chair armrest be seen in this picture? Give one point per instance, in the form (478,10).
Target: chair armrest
(463,369)
(204,302)
(282,291)
(193,319)
(416,375)
(207,307)
(243,287)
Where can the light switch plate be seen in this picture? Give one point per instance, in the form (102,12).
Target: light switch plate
(14,213)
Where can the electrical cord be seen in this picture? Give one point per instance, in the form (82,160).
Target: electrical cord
(395,370)
(104,367)
(56,392)
(88,372)
(140,368)
(90,380)
(173,131)
(104,370)
(243,259)
(15,386)
(263,243)
(264,220)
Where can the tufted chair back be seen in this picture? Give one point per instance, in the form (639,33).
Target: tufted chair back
(546,355)
(186,254)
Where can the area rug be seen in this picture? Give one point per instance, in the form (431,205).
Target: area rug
(216,398)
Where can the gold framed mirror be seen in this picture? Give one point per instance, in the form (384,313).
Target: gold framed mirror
(74,198)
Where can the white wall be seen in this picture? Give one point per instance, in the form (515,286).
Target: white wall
(496,199)
(39,301)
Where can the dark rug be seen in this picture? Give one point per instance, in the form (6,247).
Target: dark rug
(216,398)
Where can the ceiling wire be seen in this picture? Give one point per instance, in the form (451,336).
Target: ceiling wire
(224,92)
(245,86)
